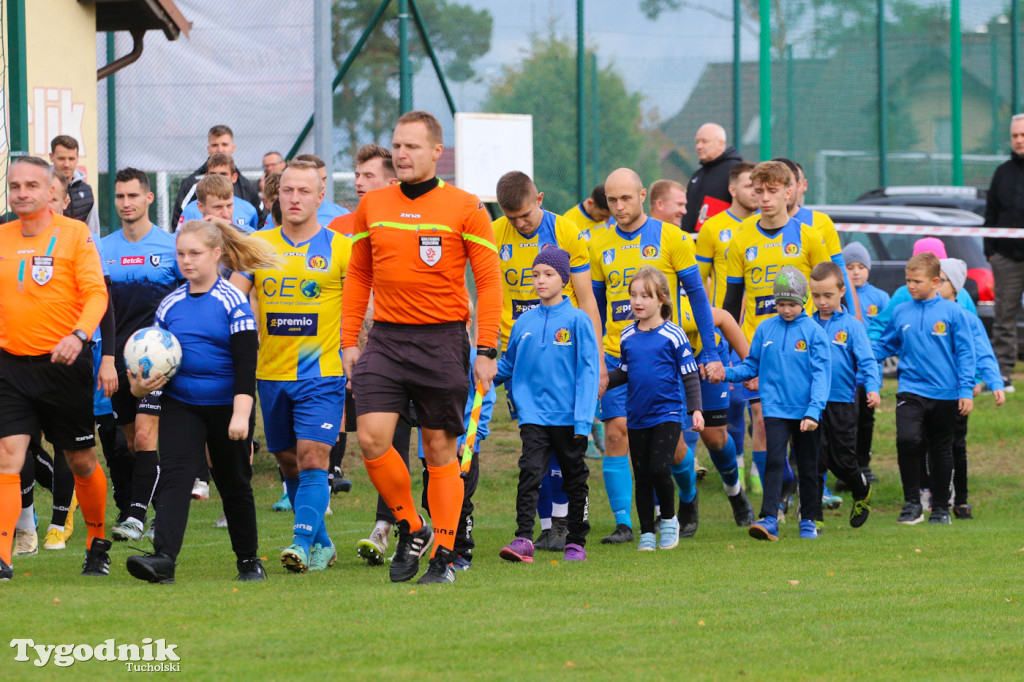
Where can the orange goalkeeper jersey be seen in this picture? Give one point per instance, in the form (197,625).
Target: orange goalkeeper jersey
(413,254)
(50,285)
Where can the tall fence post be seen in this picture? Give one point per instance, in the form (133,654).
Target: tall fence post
(737,75)
(956,93)
(765,70)
(581,105)
(883,101)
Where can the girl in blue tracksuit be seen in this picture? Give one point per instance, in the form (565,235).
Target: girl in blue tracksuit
(654,356)
(789,355)
(552,358)
(932,338)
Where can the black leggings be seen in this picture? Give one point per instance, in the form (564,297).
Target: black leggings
(120,462)
(186,431)
(652,450)
(53,473)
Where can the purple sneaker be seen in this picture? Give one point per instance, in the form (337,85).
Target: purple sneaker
(574,552)
(520,549)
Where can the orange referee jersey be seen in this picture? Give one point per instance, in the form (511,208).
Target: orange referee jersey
(413,253)
(50,285)
(343,224)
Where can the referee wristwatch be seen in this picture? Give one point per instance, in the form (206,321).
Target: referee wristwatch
(487,352)
(81,336)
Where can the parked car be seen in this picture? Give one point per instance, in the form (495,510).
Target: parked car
(928,196)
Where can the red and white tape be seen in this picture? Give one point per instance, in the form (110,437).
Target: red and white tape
(933,230)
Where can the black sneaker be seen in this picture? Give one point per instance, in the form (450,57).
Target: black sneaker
(860,510)
(742,512)
(153,568)
(6,571)
(440,570)
(410,549)
(97,561)
(1008,385)
(250,570)
(940,517)
(620,535)
(963,512)
(559,532)
(688,516)
(911,513)
(543,542)
(339,484)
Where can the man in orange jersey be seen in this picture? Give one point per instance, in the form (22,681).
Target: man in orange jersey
(410,245)
(374,169)
(52,297)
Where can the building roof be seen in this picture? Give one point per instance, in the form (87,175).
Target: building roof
(144,15)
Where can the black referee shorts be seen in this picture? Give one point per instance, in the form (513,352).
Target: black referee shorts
(38,394)
(425,364)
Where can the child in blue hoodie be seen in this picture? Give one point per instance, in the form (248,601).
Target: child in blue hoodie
(655,356)
(851,358)
(552,358)
(789,355)
(932,338)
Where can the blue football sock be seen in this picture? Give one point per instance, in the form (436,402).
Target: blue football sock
(760,459)
(544,498)
(291,486)
(686,478)
(736,425)
(310,505)
(690,437)
(618,483)
(557,495)
(725,462)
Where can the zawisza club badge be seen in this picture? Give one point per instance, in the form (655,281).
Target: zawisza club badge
(430,250)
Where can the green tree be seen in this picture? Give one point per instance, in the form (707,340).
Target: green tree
(366,103)
(544,86)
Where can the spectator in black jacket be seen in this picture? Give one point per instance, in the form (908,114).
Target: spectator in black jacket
(220,140)
(711,181)
(1005,208)
(64,157)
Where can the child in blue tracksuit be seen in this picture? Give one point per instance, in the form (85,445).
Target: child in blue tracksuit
(871,301)
(851,357)
(552,358)
(655,356)
(932,338)
(789,355)
(954,275)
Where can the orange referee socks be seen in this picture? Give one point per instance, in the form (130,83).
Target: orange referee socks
(92,499)
(390,477)
(444,495)
(10,509)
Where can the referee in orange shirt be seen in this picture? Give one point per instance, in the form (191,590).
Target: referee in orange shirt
(411,242)
(52,297)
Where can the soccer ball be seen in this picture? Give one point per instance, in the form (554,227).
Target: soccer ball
(152,350)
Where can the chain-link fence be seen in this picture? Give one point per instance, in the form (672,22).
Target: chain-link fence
(843,87)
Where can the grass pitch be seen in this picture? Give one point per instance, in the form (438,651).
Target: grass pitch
(883,602)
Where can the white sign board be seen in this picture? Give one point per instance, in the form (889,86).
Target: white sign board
(489,145)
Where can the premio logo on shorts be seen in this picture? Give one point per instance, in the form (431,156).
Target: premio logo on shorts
(840,338)
(318,263)
(791,249)
(725,235)
(506,252)
(608,257)
(649,251)
(751,254)
(939,329)
(801,346)
(563,337)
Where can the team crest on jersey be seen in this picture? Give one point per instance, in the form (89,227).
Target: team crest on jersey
(585,234)
(154,260)
(840,338)
(791,249)
(430,250)
(318,263)
(801,346)
(506,252)
(650,251)
(725,235)
(608,257)
(872,310)
(751,254)
(563,337)
(939,329)
(42,269)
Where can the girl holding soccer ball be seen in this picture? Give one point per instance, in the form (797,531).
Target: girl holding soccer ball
(208,404)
